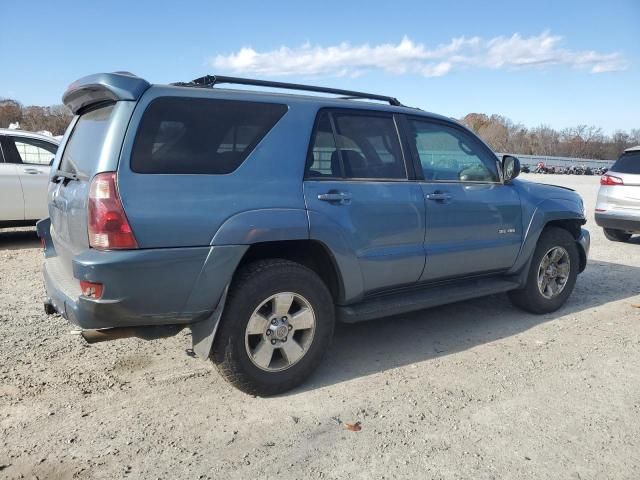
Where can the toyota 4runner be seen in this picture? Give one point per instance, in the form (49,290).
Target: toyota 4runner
(258,219)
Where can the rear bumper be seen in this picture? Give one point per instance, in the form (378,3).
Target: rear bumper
(141,287)
(619,221)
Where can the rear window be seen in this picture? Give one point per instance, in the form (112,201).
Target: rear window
(200,136)
(80,156)
(628,163)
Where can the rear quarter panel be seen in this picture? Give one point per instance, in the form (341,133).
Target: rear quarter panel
(189,210)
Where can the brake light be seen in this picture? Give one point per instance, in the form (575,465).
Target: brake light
(610,180)
(91,289)
(108,226)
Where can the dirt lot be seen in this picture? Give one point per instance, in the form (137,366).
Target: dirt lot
(473,390)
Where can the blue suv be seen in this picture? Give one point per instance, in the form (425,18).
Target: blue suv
(258,219)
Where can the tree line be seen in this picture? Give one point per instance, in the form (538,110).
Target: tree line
(582,141)
(502,134)
(54,119)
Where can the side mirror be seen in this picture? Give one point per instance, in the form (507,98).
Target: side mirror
(510,167)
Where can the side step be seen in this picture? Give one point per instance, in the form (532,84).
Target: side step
(432,296)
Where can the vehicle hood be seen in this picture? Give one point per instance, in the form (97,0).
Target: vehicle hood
(545,190)
(536,193)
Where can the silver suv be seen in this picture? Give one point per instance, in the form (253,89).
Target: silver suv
(618,207)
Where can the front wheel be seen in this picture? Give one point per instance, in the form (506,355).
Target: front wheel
(277,324)
(616,235)
(552,274)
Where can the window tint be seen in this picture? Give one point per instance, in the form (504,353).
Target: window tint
(628,163)
(449,154)
(368,146)
(34,151)
(323,149)
(200,136)
(83,148)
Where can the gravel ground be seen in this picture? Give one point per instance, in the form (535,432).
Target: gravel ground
(474,390)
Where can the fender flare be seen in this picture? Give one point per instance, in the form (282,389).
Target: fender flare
(263,225)
(548,210)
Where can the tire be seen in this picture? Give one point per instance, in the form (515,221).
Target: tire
(255,295)
(616,235)
(530,297)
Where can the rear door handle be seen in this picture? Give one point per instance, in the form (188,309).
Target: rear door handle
(337,197)
(31,171)
(439,196)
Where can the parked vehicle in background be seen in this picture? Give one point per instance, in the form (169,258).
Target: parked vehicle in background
(25,163)
(257,219)
(618,206)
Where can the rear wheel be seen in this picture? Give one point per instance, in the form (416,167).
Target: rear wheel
(552,274)
(276,326)
(616,235)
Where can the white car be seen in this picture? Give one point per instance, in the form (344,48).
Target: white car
(618,207)
(25,160)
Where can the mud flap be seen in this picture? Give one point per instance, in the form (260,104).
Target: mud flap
(204,331)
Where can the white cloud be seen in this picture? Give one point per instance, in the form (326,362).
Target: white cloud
(344,59)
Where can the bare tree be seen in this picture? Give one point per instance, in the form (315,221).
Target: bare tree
(582,141)
(53,119)
(10,112)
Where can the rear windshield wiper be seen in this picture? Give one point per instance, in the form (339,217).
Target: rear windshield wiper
(60,175)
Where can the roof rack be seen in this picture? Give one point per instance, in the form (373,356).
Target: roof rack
(209,81)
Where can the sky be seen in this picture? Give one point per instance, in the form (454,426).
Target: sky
(558,63)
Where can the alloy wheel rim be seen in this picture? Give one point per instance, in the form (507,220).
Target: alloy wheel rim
(553,272)
(280,331)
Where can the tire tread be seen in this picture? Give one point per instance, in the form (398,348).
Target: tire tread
(222,353)
(529,297)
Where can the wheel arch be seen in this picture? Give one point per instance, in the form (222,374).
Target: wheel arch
(313,254)
(573,226)
(559,213)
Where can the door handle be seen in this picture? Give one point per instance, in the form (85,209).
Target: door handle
(31,171)
(337,197)
(439,196)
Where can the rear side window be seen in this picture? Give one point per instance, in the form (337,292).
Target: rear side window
(323,150)
(180,135)
(369,146)
(361,146)
(628,163)
(33,151)
(80,156)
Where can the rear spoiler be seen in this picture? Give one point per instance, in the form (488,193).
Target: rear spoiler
(103,87)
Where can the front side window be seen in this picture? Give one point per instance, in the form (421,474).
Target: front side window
(180,135)
(448,154)
(32,150)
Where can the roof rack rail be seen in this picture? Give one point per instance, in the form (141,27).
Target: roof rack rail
(209,81)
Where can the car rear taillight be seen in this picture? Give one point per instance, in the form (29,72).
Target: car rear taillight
(610,180)
(109,228)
